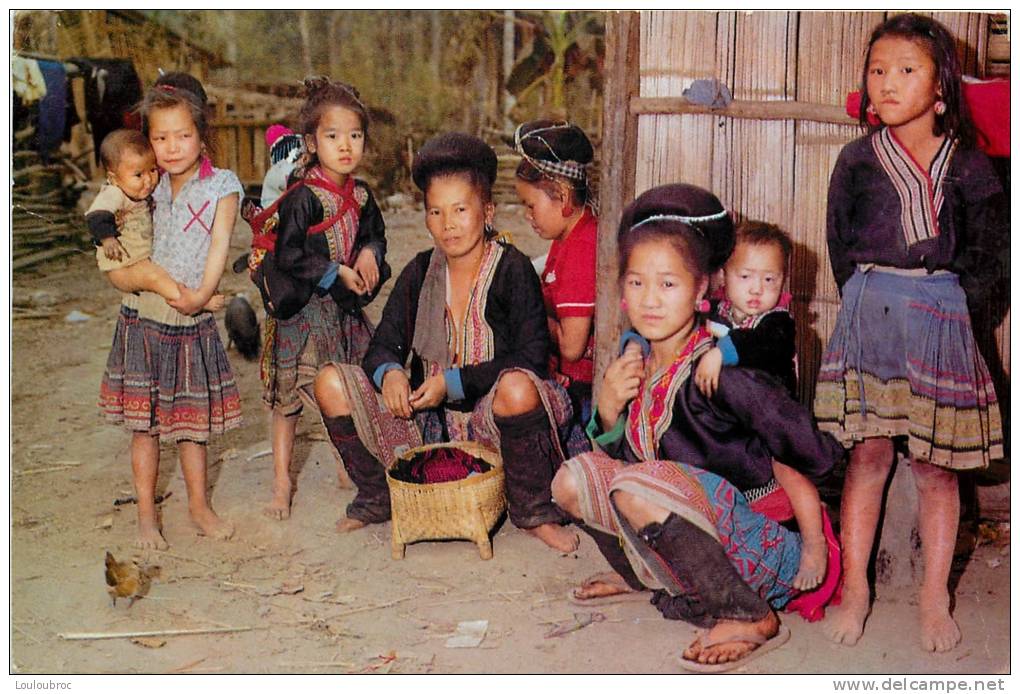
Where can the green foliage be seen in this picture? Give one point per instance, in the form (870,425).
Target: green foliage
(431,70)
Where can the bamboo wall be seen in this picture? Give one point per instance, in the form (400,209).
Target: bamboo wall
(776,170)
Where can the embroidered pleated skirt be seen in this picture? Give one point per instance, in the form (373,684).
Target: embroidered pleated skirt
(168,374)
(294,350)
(902,361)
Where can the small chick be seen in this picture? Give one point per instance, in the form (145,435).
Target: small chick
(125,580)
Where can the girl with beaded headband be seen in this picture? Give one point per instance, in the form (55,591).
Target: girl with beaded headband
(168,376)
(918,227)
(552,184)
(680,495)
(331,246)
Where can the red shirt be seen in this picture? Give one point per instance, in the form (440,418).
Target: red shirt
(568,287)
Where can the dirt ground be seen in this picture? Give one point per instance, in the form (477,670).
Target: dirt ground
(301,597)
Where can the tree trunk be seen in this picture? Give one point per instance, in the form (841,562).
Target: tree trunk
(228,27)
(435,62)
(335,42)
(508,65)
(304,26)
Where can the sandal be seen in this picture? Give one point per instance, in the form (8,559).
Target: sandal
(762,646)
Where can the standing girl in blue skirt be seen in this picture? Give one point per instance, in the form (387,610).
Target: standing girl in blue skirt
(916,220)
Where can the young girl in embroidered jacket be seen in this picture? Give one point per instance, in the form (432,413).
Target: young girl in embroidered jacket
(552,183)
(916,218)
(330,237)
(167,376)
(460,353)
(680,497)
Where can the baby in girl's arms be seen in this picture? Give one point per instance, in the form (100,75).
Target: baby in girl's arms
(754,328)
(120,218)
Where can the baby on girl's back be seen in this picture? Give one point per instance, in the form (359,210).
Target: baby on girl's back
(754,328)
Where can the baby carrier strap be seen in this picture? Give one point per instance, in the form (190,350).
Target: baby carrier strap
(349,201)
(264,234)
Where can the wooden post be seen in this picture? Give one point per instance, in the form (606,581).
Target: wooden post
(616,187)
(898,562)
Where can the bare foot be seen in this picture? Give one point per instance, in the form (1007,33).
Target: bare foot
(814,558)
(723,643)
(845,624)
(211,525)
(602,585)
(149,537)
(279,507)
(939,632)
(215,303)
(342,478)
(556,536)
(346,525)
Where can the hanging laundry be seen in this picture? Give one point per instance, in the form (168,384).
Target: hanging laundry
(52,108)
(112,89)
(27,79)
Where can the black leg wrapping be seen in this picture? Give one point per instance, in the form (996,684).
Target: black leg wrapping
(707,586)
(372,502)
(609,546)
(530,459)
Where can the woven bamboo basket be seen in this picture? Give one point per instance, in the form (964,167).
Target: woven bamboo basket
(466,509)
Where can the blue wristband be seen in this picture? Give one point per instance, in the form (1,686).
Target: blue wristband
(631,336)
(454,386)
(381,370)
(729,351)
(329,277)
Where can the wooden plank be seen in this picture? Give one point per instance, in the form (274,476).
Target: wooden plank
(676,48)
(831,41)
(750,110)
(245,151)
(619,136)
(41,256)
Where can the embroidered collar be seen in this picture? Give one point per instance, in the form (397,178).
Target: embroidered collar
(726,311)
(318,177)
(919,191)
(651,412)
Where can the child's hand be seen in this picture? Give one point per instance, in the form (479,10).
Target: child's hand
(190,301)
(113,250)
(352,280)
(707,375)
(396,392)
(430,393)
(215,303)
(367,268)
(621,384)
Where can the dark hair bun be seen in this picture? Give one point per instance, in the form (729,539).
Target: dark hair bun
(452,153)
(182,80)
(557,141)
(321,83)
(684,200)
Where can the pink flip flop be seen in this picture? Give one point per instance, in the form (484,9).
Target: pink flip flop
(764,646)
